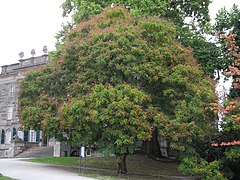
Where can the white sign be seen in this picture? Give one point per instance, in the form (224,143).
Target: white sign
(82,152)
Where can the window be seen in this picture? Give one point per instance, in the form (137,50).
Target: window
(25,136)
(12,90)
(32,136)
(10,113)
(20,133)
(14,132)
(38,136)
(3,137)
(8,136)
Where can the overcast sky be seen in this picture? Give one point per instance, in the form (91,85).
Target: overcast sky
(27,25)
(32,24)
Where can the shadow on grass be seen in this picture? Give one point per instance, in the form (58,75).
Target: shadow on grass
(139,167)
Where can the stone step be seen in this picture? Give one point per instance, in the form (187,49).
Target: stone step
(36,152)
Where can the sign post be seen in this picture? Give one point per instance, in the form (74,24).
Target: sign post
(82,156)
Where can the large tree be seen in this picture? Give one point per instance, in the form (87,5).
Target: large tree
(190,16)
(116,72)
(176,10)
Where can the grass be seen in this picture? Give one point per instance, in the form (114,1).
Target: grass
(137,164)
(66,161)
(5,178)
(94,162)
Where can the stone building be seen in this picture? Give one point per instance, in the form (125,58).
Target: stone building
(10,126)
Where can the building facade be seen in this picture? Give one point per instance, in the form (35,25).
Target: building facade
(10,76)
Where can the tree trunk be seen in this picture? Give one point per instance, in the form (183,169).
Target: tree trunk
(122,165)
(152,147)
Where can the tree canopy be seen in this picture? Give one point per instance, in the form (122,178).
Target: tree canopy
(207,53)
(176,10)
(115,82)
(227,23)
(190,33)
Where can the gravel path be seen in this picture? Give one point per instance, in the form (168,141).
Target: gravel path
(23,170)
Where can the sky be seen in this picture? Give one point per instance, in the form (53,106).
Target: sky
(27,25)
(32,24)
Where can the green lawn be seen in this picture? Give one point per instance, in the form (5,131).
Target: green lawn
(5,178)
(96,162)
(137,164)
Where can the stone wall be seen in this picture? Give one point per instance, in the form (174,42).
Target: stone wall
(9,88)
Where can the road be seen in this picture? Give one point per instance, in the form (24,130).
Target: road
(23,170)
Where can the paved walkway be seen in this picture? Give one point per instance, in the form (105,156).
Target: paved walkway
(23,170)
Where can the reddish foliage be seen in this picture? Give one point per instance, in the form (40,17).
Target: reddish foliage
(226,144)
(232,109)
